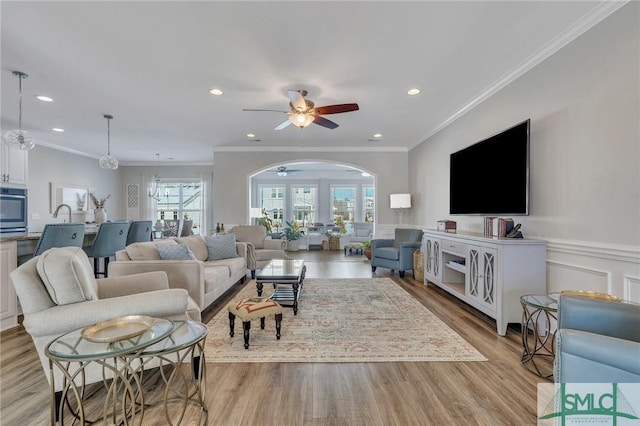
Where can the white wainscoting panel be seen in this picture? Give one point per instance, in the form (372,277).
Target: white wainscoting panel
(563,276)
(632,288)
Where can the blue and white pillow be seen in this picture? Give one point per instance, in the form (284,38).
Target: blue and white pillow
(221,247)
(175,252)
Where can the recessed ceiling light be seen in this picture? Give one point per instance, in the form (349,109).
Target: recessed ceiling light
(44,98)
(251,135)
(377,135)
(413,92)
(57,129)
(216,92)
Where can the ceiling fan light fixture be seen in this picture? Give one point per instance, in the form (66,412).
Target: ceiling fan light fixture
(18,138)
(108,161)
(301,119)
(154,187)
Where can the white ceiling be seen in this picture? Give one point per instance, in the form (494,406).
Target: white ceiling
(151,64)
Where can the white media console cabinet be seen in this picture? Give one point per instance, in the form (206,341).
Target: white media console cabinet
(488,273)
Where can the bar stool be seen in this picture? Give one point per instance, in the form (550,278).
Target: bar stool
(111,237)
(139,231)
(57,235)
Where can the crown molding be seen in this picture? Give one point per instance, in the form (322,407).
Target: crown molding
(582,25)
(308,149)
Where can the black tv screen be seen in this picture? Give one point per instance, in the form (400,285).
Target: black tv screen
(491,177)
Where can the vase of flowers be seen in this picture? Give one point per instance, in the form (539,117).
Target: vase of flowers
(99,212)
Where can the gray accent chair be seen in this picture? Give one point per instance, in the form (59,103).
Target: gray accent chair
(59,293)
(396,254)
(139,231)
(260,249)
(362,232)
(111,237)
(57,235)
(598,341)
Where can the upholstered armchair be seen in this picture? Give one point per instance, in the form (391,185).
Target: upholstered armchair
(59,293)
(396,254)
(260,249)
(362,232)
(598,341)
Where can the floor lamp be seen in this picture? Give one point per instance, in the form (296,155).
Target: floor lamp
(400,202)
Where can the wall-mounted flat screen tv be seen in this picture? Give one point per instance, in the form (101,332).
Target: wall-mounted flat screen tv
(491,177)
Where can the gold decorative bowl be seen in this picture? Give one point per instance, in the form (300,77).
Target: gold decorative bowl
(116,329)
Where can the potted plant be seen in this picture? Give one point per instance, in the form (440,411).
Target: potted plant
(366,248)
(265,221)
(292,234)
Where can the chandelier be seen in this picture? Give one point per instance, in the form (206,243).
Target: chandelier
(154,190)
(18,138)
(108,161)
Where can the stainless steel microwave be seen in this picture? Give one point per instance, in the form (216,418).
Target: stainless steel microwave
(13,209)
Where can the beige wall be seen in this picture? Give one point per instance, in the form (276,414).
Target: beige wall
(585,159)
(584,105)
(232,171)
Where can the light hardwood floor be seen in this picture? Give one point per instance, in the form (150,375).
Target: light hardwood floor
(496,392)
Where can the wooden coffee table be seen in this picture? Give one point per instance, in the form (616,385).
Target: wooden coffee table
(287,276)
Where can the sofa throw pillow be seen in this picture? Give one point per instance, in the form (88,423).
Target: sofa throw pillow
(177,252)
(67,275)
(147,250)
(197,246)
(221,247)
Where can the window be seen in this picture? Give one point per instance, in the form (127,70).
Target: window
(271,199)
(304,204)
(343,205)
(368,203)
(179,201)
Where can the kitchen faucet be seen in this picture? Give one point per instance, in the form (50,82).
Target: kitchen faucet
(55,214)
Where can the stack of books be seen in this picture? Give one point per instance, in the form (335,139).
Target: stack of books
(497,226)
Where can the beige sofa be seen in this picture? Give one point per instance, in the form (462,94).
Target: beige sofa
(260,249)
(205,280)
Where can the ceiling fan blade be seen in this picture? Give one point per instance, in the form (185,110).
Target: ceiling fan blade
(272,110)
(336,109)
(283,125)
(324,122)
(297,100)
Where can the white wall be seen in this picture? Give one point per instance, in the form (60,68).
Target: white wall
(584,107)
(233,169)
(48,165)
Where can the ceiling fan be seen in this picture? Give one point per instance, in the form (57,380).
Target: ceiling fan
(283,171)
(303,112)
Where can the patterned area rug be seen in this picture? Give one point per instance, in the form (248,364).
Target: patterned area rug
(342,320)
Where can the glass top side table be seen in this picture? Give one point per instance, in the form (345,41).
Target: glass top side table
(538,331)
(75,362)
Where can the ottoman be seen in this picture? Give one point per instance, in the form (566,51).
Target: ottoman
(249,309)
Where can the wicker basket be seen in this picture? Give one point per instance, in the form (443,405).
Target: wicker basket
(418,265)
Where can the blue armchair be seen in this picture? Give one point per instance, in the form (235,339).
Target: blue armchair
(397,253)
(598,341)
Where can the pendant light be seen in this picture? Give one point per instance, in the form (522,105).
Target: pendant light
(18,138)
(108,161)
(154,191)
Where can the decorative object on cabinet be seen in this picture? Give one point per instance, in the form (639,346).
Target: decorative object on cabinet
(154,190)
(18,138)
(108,161)
(100,213)
(447,226)
(400,202)
(489,274)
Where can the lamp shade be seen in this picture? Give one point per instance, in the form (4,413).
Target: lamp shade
(255,212)
(400,201)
